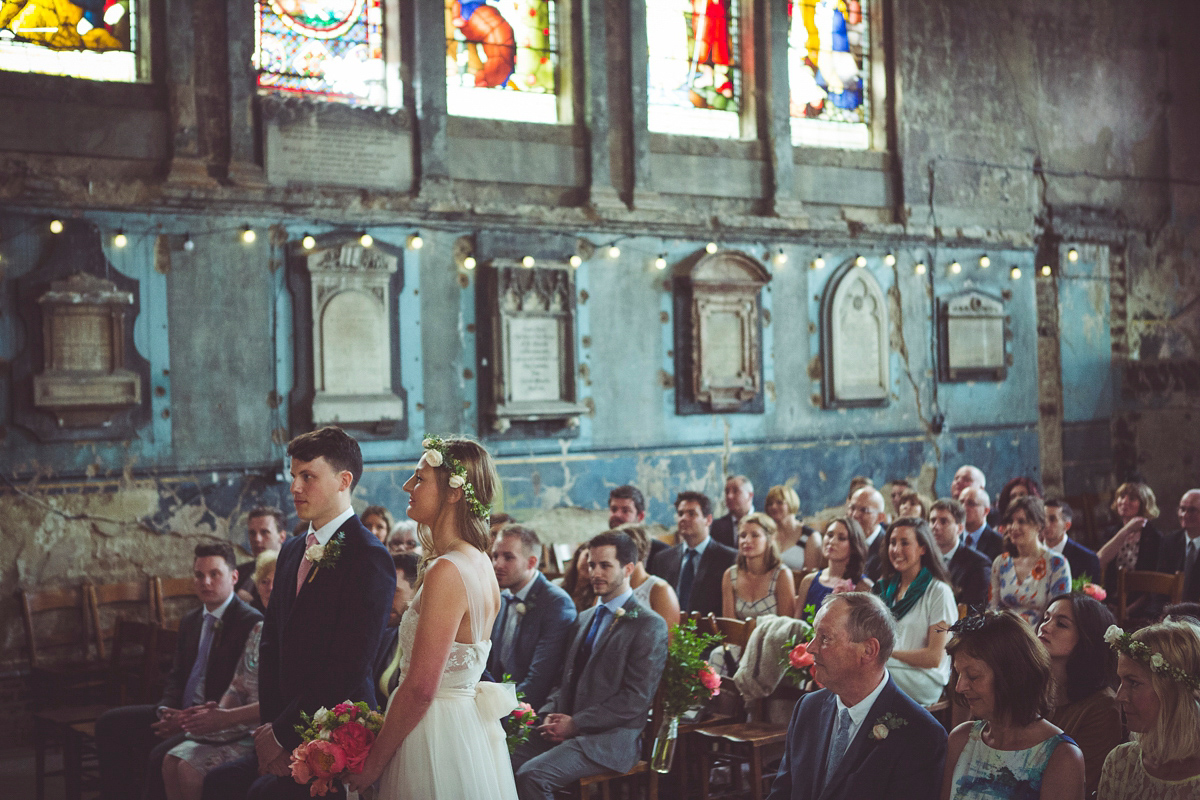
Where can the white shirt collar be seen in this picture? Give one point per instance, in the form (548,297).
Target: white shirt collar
(1058,548)
(326,531)
(220,610)
(948,557)
(700,548)
(618,601)
(523,592)
(859,711)
(874,535)
(972,534)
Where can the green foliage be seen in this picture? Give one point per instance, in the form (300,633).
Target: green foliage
(681,683)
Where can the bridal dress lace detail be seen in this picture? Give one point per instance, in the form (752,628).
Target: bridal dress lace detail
(457,751)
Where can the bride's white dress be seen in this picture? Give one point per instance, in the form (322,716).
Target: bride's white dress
(457,751)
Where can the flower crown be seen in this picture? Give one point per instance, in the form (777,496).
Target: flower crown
(437,455)
(1124,642)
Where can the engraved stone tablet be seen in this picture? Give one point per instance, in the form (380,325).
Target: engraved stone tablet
(854,340)
(972,332)
(533,361)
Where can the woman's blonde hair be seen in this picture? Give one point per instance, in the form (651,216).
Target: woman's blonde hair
(1175,734)
(1143,493)
(771,558)
(264,564)
(786,495)
(481,474)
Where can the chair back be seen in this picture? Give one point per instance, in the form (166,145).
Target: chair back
(174,597)
(1132,580)
(111,602)
(734,631)
(56,626)
(133,664)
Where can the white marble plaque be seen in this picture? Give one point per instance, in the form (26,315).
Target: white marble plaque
(354,358)
(858,316)
(324,154)
(722,344)
(535,370)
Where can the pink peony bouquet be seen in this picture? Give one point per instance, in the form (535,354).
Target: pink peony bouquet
(519,725)
(334,745)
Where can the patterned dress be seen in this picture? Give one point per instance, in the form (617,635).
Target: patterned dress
(746,609)
(1125,778)
(1051,576)
(984,773)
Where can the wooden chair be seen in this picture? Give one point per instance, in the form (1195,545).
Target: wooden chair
(1132,580)
(63,665)
(174,597)
(112,602)
(605,780)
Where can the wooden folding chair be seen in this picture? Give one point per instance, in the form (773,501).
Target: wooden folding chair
(174,597)
(1132,580)
(605,780)
(64,667)
(111,602)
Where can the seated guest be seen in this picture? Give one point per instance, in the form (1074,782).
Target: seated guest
(266,529)
(1159,668)
(695,566)
(845,551)
(866,508)
(1058,523)
(593,720)
(1134,541)
(1017,487)
(965,476)
(403,539)
(916,589)
(912,505)
(529,634)
(387,660)
(896,489)
(970,570)
(1083,669)
(131,741)
(758,583)
(627,506)
(739,499)
(378,521)
(1027,575)
(1181,550)
(1009,750)
(799,545)
(221,732)
(650,590)
(1182,612)
(859,738)
(856,483)
(977,533)
(577,582)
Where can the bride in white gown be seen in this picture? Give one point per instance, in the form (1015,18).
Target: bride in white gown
(442,736)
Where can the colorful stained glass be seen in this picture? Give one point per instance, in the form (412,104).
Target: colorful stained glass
(694,74)
(828,68)
(502,59)
(329,49)
(93,39)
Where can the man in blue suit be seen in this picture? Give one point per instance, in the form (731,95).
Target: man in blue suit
(530,632)
(333,589)
(860,737)
(1054,533)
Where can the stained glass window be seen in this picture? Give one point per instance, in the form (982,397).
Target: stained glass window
(828,67)
(328,49)
(93,39)
(694,75)
(502,59)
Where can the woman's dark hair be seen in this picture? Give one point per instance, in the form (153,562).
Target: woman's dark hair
(858,547)
(576,584)
(1033,507)
(1092,665)
(1033,487)
(1020,664)
(932,558)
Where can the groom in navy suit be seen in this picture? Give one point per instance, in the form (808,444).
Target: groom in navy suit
(860,737)
(333,590)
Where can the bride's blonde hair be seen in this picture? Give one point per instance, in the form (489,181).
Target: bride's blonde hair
(481,475)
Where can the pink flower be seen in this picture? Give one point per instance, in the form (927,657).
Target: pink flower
(344,708)
(320,787)
(710,679)
(1094,591)
(800,657)
(355,741)
(325,759)
(300,771)
(844,586)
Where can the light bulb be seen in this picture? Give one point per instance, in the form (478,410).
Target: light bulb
(309,241)
(248,235)
(860,261)
(614,252)
(710,248)
(120,240)
(1015,274)
(576,261)
(985,262)
(1046,271)
(56,226)
(660,263)
(469,262)
(781,257)
(818,263)
(919,268)
(1072,255)
(366,240)
(189,244)
(527,262)
(889,260)
(415,242)
(955,267)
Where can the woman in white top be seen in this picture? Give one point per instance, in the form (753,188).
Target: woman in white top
(651,590)
(914,584)
(799,545)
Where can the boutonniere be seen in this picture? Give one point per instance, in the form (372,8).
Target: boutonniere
(523,606)
(885,725)
(324,555)
(621,614)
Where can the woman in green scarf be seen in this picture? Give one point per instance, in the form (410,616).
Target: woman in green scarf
(914,584)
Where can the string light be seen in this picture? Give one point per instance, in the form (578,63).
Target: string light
(469,262)
(576,261)
(984,262)
(1046,271)
(120,240)
(1015,273)
(781,257)
(860,261)
(1072,255)
(660,263)
(309,242)
(919,268)
(614,251)
(527,262)
(248,235)
(819,262)
(366,240)
(56,226)
(710,248)
(889,260)
(415,242)
(955,267)
(189,244)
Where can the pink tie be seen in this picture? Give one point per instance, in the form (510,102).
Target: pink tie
(305,564)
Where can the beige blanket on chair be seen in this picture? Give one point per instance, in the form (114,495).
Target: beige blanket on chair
(760,670)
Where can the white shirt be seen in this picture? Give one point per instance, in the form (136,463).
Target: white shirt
(858,712)
(971,538)
(326,531)
(874,535)
(513,617)
(612,606)
(219,611)
(1058,548)
(948,557)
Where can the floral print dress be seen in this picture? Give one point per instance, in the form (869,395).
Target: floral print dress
(1051,576)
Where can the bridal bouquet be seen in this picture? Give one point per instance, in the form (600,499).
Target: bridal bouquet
(334,744)
(518,725)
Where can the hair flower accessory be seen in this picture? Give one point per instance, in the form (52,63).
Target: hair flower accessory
(437,455)
(1125,644)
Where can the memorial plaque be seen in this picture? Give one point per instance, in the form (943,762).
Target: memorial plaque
(313,152)
(355,356)
(973,337)
(854,340)
(534,365)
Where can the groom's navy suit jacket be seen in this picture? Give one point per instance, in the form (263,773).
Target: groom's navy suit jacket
(318,647)
(540,641)
(906,763)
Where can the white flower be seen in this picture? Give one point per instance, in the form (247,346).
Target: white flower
(315,553)
(620,612)
(1156,661)
(325,734)
(521,608)
(457,481)
(880,732)
(1112,634)
(321,715)
(433,458)
(427,444)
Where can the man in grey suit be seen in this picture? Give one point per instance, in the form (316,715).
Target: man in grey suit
(530,632)
(695,566)
(593,719)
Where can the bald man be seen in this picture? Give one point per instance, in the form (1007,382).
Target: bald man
(977,533)
(866,508)
(1181,550)
(967,475)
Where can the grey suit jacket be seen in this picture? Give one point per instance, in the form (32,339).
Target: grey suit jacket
(609,701)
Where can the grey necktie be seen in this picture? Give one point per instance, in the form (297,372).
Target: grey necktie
(1190,558)
(509,631)
(193,690)
(839,743)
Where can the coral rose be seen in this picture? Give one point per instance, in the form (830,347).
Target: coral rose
(355,741)
(300,772)
(1095,592)
(710,679)
(325,759)
(800,657)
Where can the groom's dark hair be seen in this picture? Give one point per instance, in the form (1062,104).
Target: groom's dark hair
(626,550)
(338,447)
